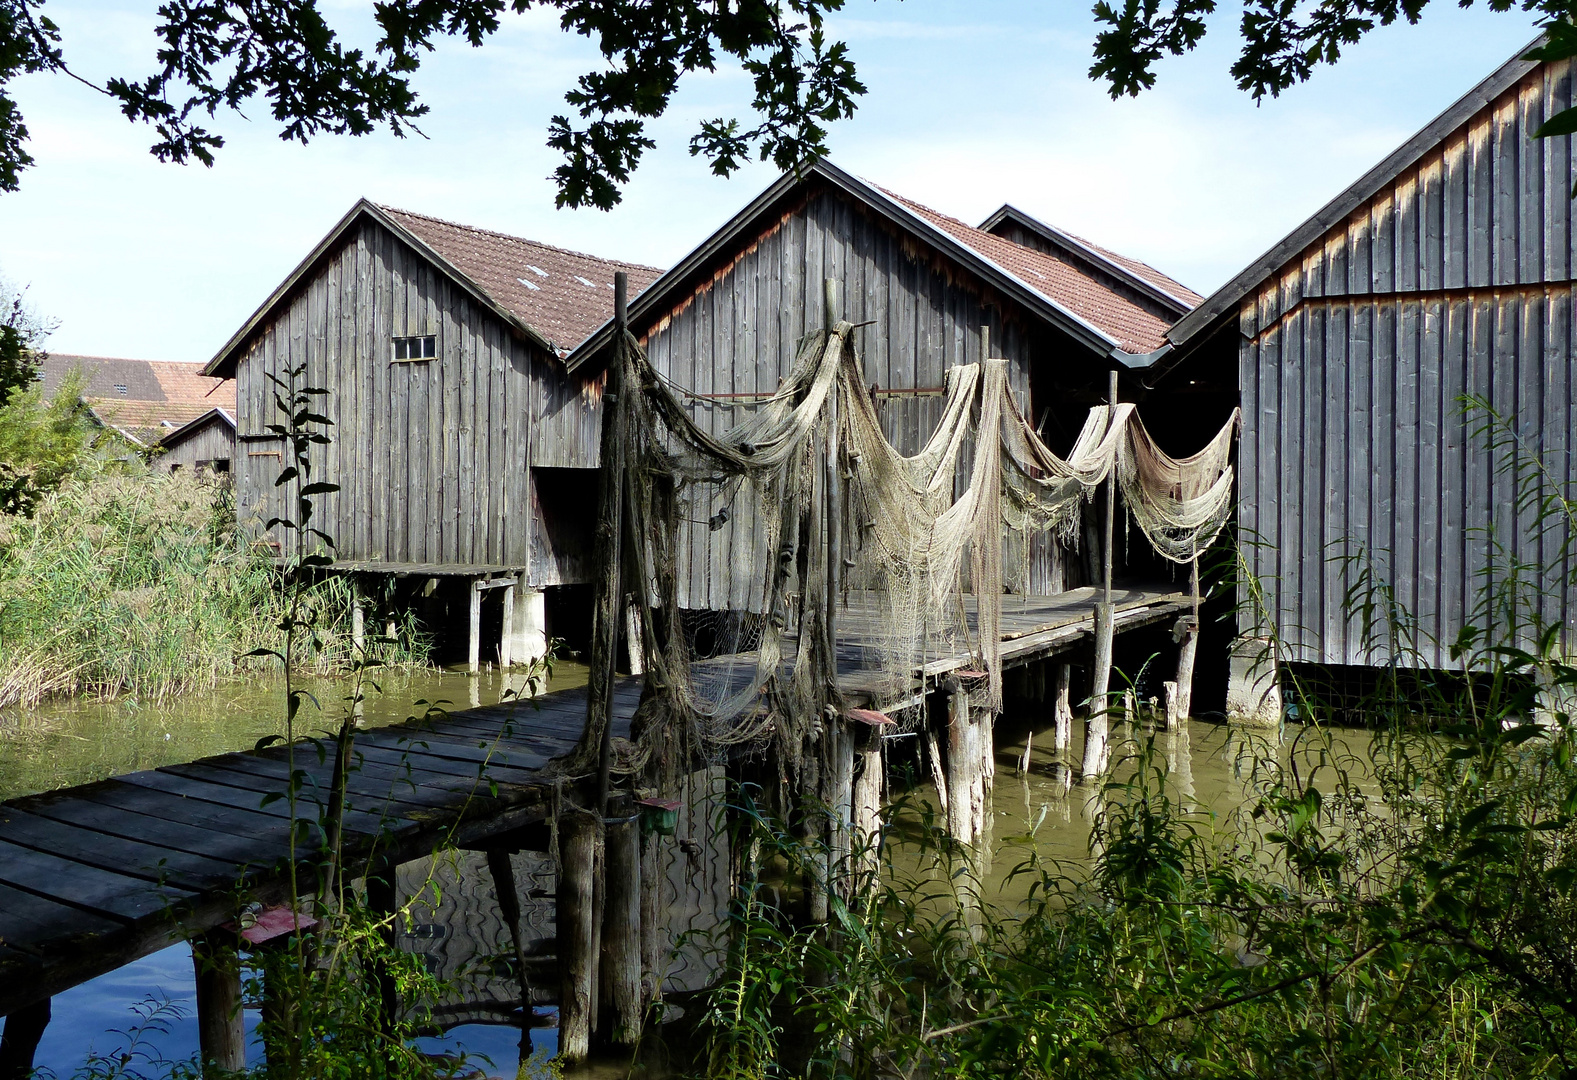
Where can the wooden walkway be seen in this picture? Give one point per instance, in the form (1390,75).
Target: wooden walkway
(93,877)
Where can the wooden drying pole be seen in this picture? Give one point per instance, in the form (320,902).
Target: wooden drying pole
(1097,724)
(1180,694)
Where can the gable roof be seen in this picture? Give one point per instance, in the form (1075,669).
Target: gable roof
(1141,275)
(160,395)
(1225,300)
(550,296)
(1061,294)
(193,426)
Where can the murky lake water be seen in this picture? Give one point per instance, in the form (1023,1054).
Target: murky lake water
(71,743)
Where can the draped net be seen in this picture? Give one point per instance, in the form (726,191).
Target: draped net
(729,534)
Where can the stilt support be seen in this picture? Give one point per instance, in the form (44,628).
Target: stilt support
(23,1030)
(221,1030)
(506,630)
(1063,710)
(619,986)
(474,656)
(576,931)
(1097,723)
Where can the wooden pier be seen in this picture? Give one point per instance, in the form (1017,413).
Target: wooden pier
(95,876)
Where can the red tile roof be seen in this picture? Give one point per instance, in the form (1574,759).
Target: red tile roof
(1144,270)
(563,295)
(159,396)
(1131,326)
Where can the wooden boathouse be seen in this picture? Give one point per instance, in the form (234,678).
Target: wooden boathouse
(204,446)
(463,451)
(1446,271)
(723,323)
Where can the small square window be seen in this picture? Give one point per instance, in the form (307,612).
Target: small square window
(122,389)
(416,348)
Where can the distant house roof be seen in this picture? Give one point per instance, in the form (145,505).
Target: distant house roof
(551,296)
(1142,275)
(1075,301)
(142,399)
(1224,301)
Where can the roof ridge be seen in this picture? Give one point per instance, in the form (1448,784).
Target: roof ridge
(513,237)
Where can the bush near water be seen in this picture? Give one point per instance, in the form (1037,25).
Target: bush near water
(131,581)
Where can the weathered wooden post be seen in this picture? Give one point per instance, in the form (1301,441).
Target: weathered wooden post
(474,655)
(1097,725)
(574,912)
(962,763)
(1063,710)
(619,985)
(19,1042)
(221,1029)
(358,629)
(1181,702)
(502,871)
(868,788)
(506,632)
(383,901)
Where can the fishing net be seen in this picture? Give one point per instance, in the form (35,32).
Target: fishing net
(797,556)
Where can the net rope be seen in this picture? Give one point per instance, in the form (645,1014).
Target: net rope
(728,537)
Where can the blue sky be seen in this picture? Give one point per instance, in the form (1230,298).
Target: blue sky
(971,104)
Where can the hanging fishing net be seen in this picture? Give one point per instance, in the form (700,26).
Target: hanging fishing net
(797,558)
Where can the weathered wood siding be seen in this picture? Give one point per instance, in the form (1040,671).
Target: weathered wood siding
(736,334)
(215,440)
(1454,280)
(433,457)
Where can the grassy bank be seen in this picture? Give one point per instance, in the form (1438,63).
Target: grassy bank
(132,582)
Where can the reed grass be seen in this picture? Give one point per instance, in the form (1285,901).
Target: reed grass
(136,582)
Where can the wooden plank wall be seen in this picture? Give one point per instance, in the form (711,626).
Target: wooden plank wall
(737,334)
(215,440)
(433,458)
(1455,280)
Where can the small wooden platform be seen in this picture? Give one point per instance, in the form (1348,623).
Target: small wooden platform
(93,877)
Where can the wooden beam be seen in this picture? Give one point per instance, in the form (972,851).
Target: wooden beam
(474,656)
(23,1030)
(221,1029)
(576,933)
(619,986)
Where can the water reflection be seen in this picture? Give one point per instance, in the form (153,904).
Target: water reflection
(60,744)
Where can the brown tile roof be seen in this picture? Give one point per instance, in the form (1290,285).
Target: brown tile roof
(160,395)
(1144,270)
(563,295)
(1131,326)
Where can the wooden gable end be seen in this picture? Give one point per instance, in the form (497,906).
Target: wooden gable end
(1454,279)
(433,455)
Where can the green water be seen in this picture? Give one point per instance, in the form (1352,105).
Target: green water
(60,744)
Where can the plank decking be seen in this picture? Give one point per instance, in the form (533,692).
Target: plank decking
(95,876)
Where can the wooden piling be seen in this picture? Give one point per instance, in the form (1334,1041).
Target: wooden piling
(576,931)
(962,765)
(503,874)
(834,489)
(19,1042)
(933,755)
(619,986)
(867,809)
(475,654)
(1063,710)
(506,633)
(383,901)
(609,551)
(840,804)
(1096,727)
(1187,649)
(358,629)
(221,1029)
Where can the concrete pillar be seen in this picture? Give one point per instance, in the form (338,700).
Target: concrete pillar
(529,625)
(1253,684)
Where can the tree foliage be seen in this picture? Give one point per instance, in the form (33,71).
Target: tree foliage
(219,55)
(1283,41)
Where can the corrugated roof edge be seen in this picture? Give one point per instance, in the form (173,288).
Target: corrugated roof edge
(1083,248)
(1225,299)
(223,363)
(1076,326)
